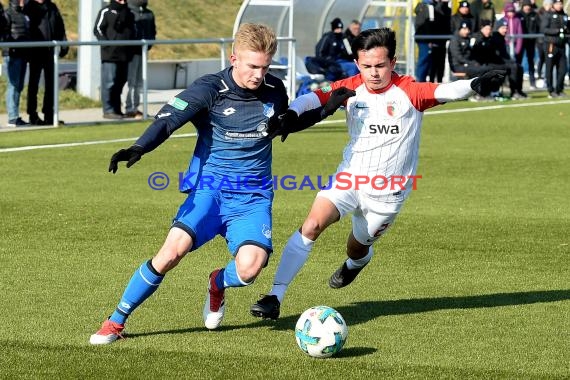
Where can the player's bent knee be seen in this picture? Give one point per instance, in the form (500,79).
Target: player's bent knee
(249,274)
(312,228)
(250,262)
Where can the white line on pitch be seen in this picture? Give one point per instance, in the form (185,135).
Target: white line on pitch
(435,112)
(65,145)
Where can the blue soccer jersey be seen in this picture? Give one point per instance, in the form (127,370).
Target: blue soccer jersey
(232,153)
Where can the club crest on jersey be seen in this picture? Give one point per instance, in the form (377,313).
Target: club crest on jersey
(268,109)
(266,231)
(390,109)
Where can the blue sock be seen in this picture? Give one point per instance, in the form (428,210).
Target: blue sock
(142,284)
(229,277)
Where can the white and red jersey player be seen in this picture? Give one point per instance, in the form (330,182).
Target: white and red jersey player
(384,128)
(384,118)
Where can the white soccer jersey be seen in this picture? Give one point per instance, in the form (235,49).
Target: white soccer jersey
(384,128)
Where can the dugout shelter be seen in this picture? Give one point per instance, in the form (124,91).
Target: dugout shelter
(307,20)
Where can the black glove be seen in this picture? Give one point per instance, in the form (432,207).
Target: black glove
(337,98)
(282,125)
(131,155)
(488,82)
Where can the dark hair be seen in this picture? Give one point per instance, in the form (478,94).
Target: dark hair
(373,38)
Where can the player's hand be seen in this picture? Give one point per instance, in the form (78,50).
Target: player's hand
(131,155)
(282,124)
(337,98)
(488,82)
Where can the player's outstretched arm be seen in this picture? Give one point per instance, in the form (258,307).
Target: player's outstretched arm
(155,134)
(461,89)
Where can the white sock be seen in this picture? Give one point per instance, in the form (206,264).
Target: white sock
(294,256)
(353,264)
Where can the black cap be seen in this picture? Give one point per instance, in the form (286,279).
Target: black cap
(485,23)
(501,22)
(336,23)
(464,4)
(465,24)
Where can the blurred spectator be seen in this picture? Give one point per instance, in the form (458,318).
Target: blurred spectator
(483,10)
(554,25)
(146,29)
(430,15)
(114,22)
(461,59)
(530,25)
(462,15)
(46,24)
(438,47)
(567,11)
(331,51)
(514,70)
(516,4)
(2,21)
(15,28)
(514,26)
(546,7)
(332,48)
(353,30)
(484,51)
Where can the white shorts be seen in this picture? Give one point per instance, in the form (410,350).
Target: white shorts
(371,218)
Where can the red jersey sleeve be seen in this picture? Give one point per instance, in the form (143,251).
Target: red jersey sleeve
(351,83)
(421,94)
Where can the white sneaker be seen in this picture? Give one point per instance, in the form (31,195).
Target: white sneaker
(214,306)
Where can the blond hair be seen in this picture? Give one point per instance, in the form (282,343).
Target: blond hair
(255,37)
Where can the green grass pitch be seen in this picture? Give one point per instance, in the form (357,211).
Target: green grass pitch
(473,280)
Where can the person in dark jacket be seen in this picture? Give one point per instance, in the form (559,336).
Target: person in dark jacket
(353,30)
(482,10)
(530,25)
(514,70)
(146,29)
(462,15)
(3,23)
(542,13)
(15,29)
(432,18)
(332,49)
(114,22)
(554,25)
(461,58)
(46,24)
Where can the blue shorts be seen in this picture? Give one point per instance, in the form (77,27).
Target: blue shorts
(241,218)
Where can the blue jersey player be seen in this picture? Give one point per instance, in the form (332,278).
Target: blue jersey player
(232,112)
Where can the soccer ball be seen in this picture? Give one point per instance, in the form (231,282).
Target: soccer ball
(321,331)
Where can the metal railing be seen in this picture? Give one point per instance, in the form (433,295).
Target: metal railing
(512,39)
(223,43)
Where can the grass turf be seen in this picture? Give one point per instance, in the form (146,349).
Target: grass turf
(471,282)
